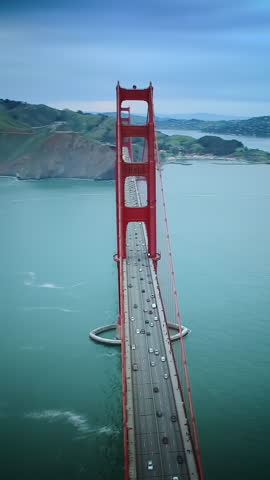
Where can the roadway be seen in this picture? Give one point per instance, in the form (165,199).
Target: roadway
(160,428)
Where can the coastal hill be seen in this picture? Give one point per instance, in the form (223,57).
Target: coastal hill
(37,141)
(256,126)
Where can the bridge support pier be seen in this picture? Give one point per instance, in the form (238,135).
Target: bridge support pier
(94,334)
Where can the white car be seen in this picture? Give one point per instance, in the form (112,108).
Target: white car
(150,350)
(138,330)
(166,376)
(151,324)
(155,318)
(163,359)
(132,319)
(140,269)
(150,465)
(133,347)
(156,352)
(152,364)
(154,305)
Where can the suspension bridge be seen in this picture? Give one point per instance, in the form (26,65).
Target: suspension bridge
(160,433)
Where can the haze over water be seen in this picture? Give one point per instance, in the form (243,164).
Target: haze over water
(60,395)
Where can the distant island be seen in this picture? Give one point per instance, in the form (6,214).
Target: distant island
(37,141)
(255,127)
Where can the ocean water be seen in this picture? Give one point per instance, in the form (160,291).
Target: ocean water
(60,394)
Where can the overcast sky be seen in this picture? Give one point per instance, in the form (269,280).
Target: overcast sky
(201,55)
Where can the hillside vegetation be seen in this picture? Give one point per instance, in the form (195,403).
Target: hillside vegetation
(37,141)
(257,126)
(9,123)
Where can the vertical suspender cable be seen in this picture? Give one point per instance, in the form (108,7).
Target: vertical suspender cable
(184,359)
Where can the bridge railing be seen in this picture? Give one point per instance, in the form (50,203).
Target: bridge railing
(119,201)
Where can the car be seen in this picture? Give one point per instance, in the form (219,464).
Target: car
(148,254)
(180,459)
(147,321)
(150,350)
(143,291)
(165,440)
(140,269)
(166,376)
(133,347)
(148,333)
(139,258)
(156,352)
(163,359)
(135,305)
(141,278)
(175,477)
(150,465)
(143,244)
(132,319)
(159,413)
(152,364)
(142,330)
(150,311)
(156,389)
(128,263)
(154,305)
(144,251)
(148,299)
(173,418)
(151,324)
(135,366)
(137,330)
(130,285)
(145,310)
(156,318)
(152,295)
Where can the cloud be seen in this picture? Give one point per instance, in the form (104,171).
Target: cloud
(64,55)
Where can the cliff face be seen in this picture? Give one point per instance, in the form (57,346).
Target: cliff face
(61,154)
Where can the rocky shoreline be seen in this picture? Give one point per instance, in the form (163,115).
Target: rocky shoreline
(63,155)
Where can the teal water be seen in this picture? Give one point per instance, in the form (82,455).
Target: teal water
(60,394)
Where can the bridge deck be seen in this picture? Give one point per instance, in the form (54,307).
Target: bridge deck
(153,416)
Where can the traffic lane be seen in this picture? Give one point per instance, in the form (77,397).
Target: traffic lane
(174,434)
(148,422)
(143,364)
(161,339)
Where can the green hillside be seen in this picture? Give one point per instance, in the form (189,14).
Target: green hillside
(99,128)
(257,126)
(8,123)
